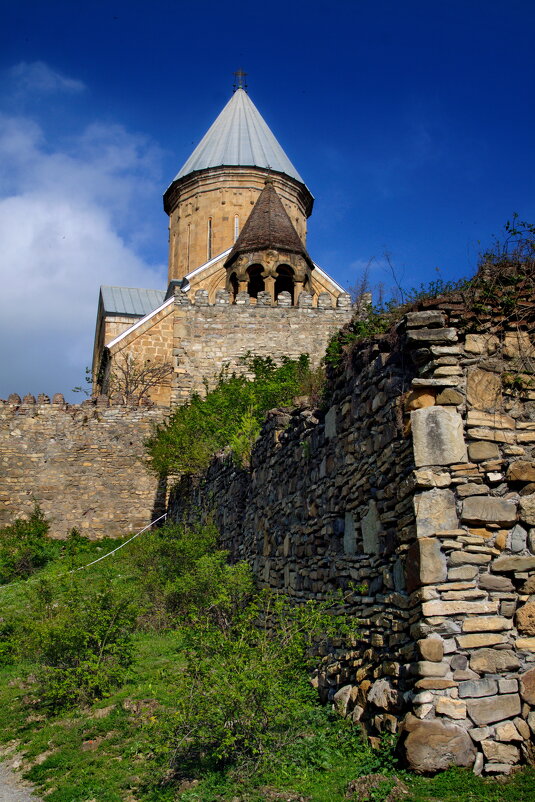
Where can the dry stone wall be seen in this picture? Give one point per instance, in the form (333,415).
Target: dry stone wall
(81,463)
(418,488)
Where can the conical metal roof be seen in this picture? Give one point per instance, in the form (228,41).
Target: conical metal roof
(239,137)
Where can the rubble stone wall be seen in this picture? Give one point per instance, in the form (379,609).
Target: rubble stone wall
(83,464)
(418,487)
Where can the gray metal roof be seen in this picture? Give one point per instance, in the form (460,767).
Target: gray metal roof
(130,300)
(239,136)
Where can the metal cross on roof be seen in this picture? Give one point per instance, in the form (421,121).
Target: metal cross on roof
(239,80)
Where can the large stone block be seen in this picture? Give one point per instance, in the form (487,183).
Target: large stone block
(489,709)
(435,511)
(437,436)
(505,564)
(489,509)
(435,745)
(371,528)
(527,509)
(493,661)
(525,619)
(426,564)
(478,688)
(437,607)
(527,686)
(483,389)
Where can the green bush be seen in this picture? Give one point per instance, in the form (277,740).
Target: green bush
(246,696)
(25,547)
(82,642)
(230,415)
(183,576)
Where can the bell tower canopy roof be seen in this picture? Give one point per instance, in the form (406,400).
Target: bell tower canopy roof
(268,227)
(239,137)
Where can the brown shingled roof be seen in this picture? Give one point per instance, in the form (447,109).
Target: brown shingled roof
(268,226)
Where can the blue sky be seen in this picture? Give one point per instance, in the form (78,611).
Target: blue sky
(411,122)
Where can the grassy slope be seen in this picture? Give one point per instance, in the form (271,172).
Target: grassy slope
(106,752)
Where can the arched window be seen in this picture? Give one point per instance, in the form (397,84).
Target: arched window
(256,282)
(209,240)
(284,281)
(236,226)
(234,286)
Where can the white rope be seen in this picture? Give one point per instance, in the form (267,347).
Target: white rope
(109,553)
(82,567)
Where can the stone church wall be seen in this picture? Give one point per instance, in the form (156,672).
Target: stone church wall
(415,495)
(83,464)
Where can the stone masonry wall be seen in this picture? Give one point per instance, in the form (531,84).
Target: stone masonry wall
(418,486)
(208,337)
(81,463)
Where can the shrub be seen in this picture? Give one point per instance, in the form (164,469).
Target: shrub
(183,575)
(230,415)
(246,695)
(82,644)
(25,547)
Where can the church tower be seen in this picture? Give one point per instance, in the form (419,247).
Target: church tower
(213,194)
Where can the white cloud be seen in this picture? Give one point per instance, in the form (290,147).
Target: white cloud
(69,221)
(36,76)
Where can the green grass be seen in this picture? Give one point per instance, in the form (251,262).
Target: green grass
(123,753)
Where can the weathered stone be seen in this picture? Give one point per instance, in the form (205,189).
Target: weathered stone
(489,509)
(478,640)
(459,661)
(371,529)
(531,721)
(483,388)
(427,318)
(436,745)
(527,509)
(521,471)
(489,709)
(431,649)
(449,396)
(350,538)
(481,343)
(492,661)
(499,583)
(478,687)
(481,450)
(330,423)
(525,644)
(494,420)
(518,538)
(517,344)
(480,733)
(419,398)
(426,668)
(483,623)
(453,708)
(507,732)
(527,686)
(471,489)
(525,618)
(435,511)
(426,564)
(522,727)
(437,607)
(463,572)
(529,586)
(437,435)
(508,685)
(383,695)
(468,558)
(500,753)
(435,684)
(503,565)
(494,435)
(342,698)
(425,477)
(419,336)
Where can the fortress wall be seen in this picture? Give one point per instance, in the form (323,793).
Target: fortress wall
(210,337)
(418,486)
(81,463)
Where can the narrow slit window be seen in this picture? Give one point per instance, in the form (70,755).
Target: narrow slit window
(236,227)
(209,239)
